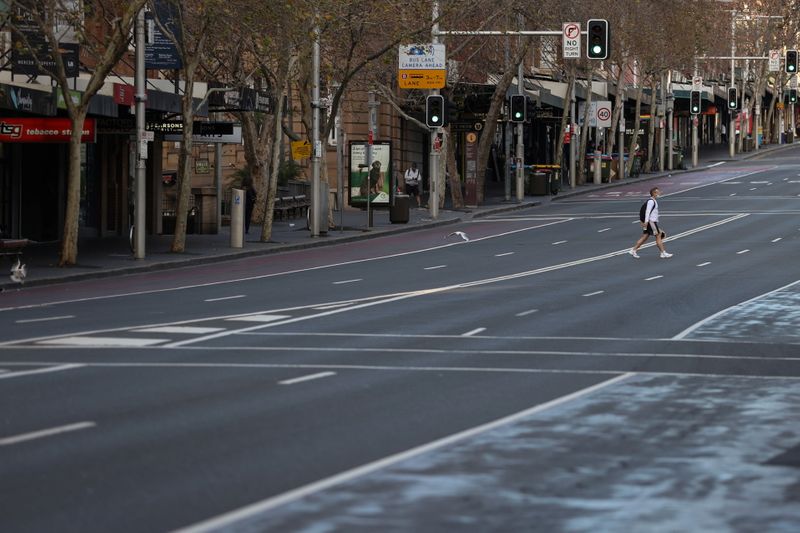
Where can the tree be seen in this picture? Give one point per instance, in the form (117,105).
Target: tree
(104,48)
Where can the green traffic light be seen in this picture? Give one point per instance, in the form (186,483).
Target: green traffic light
(596,49)
(435,118)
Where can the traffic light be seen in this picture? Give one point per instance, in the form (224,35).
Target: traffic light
(694,103)
(519,105)
(791,61)
(434,111)
(792,96)
(733,98)
(597,39)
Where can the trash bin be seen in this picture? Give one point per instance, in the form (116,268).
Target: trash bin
(555,182)
(538,183)
(398,211)
(605,169)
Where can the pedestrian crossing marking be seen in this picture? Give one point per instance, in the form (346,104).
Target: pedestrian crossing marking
(190,330)
(118,342)
(258,318)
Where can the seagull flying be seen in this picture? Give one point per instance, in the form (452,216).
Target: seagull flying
(459,234)
(18,272)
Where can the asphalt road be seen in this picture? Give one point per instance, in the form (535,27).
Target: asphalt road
(534,377)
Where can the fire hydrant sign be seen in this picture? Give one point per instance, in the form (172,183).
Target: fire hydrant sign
(571,41)
(422,66)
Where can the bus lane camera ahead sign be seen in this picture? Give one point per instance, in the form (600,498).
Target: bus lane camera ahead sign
(571,42)
(422,66)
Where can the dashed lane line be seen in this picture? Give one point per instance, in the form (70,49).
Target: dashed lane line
(46,370)
(595,293)
(188,330)
(303,379)
(115,342)
(225,298)
(473,332)
(651,278)
(45,319)
(42,433)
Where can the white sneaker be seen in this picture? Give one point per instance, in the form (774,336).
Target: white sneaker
(665,255)
(633,254)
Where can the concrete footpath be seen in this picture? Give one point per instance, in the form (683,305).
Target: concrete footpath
(111,256)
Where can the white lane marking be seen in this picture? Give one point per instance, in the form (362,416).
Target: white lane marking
(283,273)
(528,312)
(257,318)
(310,377)
(331,306)
(778,239)
(730,183)
(602,230)
(734,194)
(347,281)
(559,242)
(740,252)
(595,293)
(794,181)
(651,278)
(225,298)
(190,330)
(28,320)
(226,520)
(119,342)
(753,188)
(389,298)
(435,267)
(704,264)
(45,370)
(712,165)
(504,254)
(693,327)
(758,182)
(16,439)
(473,332)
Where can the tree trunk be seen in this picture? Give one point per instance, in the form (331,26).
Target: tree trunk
(619,105)
(69,241)
(565,116)
(581,178)
(455,178)
(275,161)
(652,126)
(635,137)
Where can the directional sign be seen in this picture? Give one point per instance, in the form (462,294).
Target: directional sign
(774,60)
(571,40)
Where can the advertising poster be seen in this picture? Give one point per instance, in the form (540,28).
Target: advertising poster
(373,180)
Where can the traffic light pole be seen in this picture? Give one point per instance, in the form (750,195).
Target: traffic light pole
(695,121)
(433,160)
(520,152)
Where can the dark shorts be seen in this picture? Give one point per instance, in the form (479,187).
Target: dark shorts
(412,190)
(649,229)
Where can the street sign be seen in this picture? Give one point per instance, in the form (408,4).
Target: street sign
(599,114)
(774,60)
(422,66)
(571,40)
(301,150)
(793,82)
(697,83)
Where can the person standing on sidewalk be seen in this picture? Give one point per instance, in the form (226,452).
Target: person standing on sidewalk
(650,226)
(411,178)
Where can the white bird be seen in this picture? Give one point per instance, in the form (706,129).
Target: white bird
(459,234)
(18,272)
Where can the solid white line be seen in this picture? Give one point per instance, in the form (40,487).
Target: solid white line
(102,341)
(28,320)
(190,330)
(283,273)
(227,519)
(435,267)
(225,298)
(504,254)
(310,377)
(46,370)
(704,264)
(473,332)
(690,329)
(332,306)
(559,242)
(653,277)
(257,318)
(7,441)
(526,313)
(595,293)
(778,239)
(347,281)
(742,252)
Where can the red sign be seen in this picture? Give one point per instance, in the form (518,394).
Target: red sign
(123,94)
(42,130)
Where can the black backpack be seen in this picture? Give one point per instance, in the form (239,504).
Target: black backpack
(643,210)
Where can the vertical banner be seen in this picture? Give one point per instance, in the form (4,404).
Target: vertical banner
(160,51)
(373,180)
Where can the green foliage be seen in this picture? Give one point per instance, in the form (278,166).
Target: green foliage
(287,170)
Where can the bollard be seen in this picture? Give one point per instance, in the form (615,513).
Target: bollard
(237,218)
(598,162)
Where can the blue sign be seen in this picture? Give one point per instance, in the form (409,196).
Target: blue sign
(161,52)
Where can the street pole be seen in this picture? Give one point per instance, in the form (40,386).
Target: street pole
(695,121)
(372,104)
(731,122)
(520,151)
(507,134)
(141,142)
(315,154)
(670,110)
(573,141)
(661,113)
(433,198)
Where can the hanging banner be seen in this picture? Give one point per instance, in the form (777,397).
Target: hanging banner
(160,51)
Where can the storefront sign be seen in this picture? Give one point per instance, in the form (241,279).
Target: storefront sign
(43,130)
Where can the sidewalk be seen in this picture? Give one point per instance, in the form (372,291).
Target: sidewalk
(111,256)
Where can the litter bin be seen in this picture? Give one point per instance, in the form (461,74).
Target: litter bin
(537,183)
(398,211)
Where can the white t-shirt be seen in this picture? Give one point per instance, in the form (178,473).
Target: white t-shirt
(651,213)
(412,176)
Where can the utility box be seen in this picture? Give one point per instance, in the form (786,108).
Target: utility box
(398,212)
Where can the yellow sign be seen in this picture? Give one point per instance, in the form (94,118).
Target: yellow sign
(422,79)
(779,105)
(301,150)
